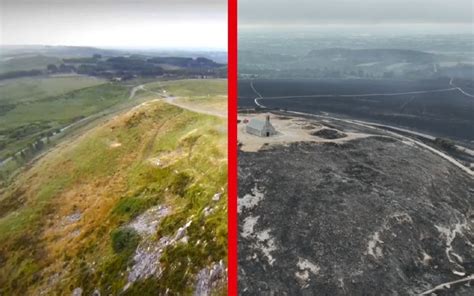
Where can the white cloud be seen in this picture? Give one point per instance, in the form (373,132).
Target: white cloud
(200,24)
(355,11)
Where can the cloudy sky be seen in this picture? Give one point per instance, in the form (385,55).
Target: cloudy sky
(356,12)
(183,24)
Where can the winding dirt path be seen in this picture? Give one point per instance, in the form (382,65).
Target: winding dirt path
(135,89)
(451,82)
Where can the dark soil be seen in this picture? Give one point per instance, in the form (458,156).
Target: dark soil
(329,134)
(440,114)
(368,213)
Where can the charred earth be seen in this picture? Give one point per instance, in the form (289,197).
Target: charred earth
(377,215)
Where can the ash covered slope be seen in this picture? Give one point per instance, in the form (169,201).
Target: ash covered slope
(372,216)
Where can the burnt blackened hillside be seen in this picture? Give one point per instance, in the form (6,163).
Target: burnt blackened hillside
(371,55)
(373,216)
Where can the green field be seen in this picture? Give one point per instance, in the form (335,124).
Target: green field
(63,109)
(191,87)
(23,63)
(29,108)
(30,89)
(199,94)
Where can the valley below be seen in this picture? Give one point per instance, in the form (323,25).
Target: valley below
(431,106)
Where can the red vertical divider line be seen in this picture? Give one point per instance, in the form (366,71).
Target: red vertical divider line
(232,147)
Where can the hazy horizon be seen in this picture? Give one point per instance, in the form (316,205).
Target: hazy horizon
(369,13)
(364,29)
(122,24)
(121,48)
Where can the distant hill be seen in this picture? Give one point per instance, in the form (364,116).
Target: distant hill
(185,62)
(9,51)
(374,55)
(257,57)
(337,62)
(56,51)
(34,60)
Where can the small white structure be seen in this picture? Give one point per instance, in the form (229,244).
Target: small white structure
(260,128)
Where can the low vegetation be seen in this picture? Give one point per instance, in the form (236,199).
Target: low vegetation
(191,88)
(37,110)
(66,225)
(198,94)
(32,89)
(124,239)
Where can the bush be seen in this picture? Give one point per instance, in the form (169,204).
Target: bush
(179,183)
(131,207)
(445,144)
(124,239)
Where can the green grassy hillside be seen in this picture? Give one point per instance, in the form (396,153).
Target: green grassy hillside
(32,108)
(191,87)
(69,221)
(210,95)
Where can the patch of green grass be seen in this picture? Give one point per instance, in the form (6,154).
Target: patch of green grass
(180,183)
(108,275)
(191,87)
(102,162)
(130,207)
(216,103)
(19,232)
(144,177)
(207,244)
(182,126)
(124,239)
(24,90)
(65,108)
(26,217)
(28,122)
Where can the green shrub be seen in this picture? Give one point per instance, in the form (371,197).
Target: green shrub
(124,239)
(131,207)
(179,183)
